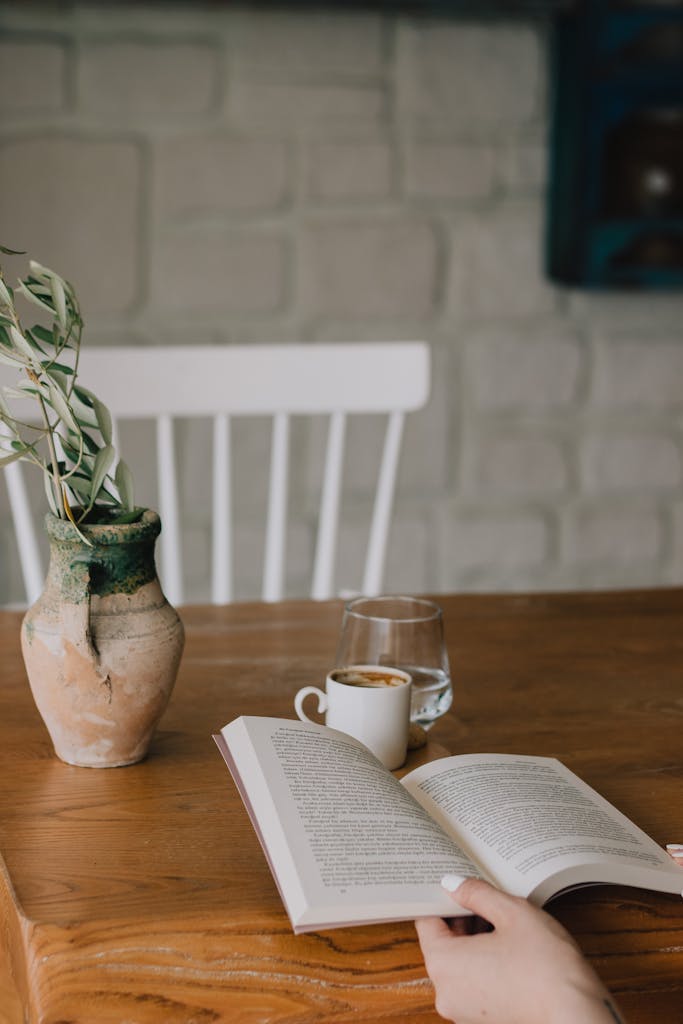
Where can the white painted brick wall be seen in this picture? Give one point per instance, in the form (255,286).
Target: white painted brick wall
(474,76)
(32,76)
(139,79)
(370,267)
(495,544)
(534,368)
(222,174)
(76,200)
(626,462)
(215,270)
(598,538)
(527,467)
(443,171)
(640,371)
(357,171)
(496,269)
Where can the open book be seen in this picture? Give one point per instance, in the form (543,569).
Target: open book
(348,843)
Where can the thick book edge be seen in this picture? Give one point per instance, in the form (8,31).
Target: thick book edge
(220,742)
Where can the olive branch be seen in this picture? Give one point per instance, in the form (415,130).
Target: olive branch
(71,439)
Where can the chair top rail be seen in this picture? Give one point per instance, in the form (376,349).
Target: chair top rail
(203,380)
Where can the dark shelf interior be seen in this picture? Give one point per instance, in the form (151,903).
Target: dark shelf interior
(615,213)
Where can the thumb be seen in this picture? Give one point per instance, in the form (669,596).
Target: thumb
(482,898)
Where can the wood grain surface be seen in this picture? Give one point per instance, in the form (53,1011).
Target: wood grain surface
(140,895)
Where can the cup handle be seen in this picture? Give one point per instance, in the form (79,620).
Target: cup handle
(300,698)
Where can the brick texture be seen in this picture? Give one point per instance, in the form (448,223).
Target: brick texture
(517,466)
(524,369)
(351,171)
(372,268)
(52,203)
(471,74)
(207,176)
(445,171)
(142,78)
(496,269)
(32,77)
(225,272)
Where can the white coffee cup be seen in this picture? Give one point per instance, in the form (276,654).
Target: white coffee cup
(370,702)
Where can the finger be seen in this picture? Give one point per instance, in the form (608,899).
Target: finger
(431,930)
(481,898)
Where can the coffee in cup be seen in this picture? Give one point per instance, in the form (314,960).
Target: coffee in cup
(367,677)
(370,702)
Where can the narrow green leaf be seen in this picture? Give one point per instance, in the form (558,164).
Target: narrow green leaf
(103,461)
(91,448)
(105,497)
(18,392)
(30,335)
(84,413)
(21,344)
(5,296)
(60,405)
(63,368)
(6,459)
(80,486)
(10,360)
(131,516)
(33,388)
(38,270)
(34,299)
(48,480)
(72,454)
(103,420)
(12,252)
(62,380)
(58,300)
(123,478)
(85,396)
(43,334)
(70,516)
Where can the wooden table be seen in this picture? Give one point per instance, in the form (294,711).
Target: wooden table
(141,895)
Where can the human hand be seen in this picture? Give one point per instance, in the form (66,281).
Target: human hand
(527,970)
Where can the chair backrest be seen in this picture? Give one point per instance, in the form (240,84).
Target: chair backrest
(280,381)
(30,559)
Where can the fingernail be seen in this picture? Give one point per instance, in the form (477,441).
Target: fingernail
(452,882)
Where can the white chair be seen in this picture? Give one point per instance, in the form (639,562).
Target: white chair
(281,381)
(27,542)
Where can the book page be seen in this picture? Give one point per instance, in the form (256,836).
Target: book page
(360,847)
(531,819)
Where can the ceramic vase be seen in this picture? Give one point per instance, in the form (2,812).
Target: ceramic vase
(102,644)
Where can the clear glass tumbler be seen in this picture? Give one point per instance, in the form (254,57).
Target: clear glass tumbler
(406,632)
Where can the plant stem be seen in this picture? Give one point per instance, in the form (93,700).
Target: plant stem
(56,480)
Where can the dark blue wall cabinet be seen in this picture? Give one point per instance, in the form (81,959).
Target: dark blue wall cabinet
(615,217)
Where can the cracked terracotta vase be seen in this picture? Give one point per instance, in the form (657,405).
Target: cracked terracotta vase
(102,644)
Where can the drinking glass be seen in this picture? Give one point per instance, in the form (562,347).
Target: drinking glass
(406,632)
